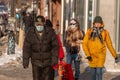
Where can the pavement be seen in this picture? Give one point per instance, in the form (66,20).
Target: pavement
(16,72)
(86,75)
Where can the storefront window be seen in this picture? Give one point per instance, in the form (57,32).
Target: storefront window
(118,35)
(90,13)
(118,26)
(84,12)
(79,12)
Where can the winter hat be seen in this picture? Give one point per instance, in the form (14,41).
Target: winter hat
(98,19)
(40,19)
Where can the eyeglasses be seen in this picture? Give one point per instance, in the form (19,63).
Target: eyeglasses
(72,23)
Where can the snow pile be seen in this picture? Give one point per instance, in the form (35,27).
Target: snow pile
(12,58)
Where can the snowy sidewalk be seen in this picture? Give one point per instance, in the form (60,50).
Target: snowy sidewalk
(4,59)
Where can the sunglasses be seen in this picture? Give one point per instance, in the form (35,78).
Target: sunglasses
(72,23)
(37,24)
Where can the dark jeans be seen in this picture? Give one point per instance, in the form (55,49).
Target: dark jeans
(96,73)
(72,57)
(39,73)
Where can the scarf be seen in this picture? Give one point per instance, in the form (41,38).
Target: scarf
(96,32)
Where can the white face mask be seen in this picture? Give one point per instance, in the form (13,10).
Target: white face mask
(72,26)
(40,28)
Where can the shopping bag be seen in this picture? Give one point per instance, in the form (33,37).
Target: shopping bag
(65,71)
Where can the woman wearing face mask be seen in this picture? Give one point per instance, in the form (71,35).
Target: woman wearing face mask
(94,45)
(42,47)
(72,44)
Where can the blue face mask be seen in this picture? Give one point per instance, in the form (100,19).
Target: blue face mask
(40,28)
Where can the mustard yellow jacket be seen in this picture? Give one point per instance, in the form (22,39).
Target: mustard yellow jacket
(96,49)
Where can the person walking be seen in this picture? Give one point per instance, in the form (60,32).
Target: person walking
(28,22)
(42,47)
(61,51)
(72,44)
(94,45)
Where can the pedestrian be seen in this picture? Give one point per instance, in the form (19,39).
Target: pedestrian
(42,47)
(11,38)
(28,22)
(94,45)
(61,51)
(72,44)
(11,42)
(63,70)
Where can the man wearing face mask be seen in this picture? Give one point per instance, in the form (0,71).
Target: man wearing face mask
(41,46)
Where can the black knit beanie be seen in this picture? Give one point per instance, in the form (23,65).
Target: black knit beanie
(98,19)
(40,19)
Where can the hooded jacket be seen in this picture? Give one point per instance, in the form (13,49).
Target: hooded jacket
(96,49)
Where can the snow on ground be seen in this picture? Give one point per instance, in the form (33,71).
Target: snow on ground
(4,59)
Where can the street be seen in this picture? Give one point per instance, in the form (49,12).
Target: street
(11,69)
(16,72)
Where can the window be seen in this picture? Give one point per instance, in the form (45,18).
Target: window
(85,10)
(118,26)
(79,12)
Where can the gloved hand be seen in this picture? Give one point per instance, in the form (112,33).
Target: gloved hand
(25,63)
(89,58)
(116,60)
(25,67)
(78,58)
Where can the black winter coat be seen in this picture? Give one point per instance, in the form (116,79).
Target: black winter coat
(43,50)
